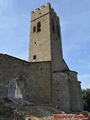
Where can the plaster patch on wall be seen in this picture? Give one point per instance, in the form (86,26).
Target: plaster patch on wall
(14,90)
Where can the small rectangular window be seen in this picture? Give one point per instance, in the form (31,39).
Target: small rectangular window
(34,29)
(34,57)
(53,26)
(58,31)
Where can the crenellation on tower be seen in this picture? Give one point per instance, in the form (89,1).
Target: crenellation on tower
(48,4)
(43,6)
(54,15)
(39,12)
(37,9)
(32,12)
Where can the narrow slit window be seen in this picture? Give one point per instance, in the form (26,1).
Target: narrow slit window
(34,57)
(34,29)
(38,26)
(58,31)
(53,26)
(40,68)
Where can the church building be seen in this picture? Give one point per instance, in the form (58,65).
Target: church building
(45,78)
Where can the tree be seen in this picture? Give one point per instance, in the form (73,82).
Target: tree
(86,99)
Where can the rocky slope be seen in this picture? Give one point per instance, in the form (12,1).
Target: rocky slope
(16,111)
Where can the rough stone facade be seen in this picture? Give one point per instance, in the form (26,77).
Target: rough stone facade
(35,76)
(46,78)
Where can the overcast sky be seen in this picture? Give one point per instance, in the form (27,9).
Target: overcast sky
(75,27)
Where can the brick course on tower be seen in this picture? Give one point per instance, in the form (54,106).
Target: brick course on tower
(46,78)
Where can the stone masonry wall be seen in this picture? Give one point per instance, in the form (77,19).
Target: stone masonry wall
(56,45)
(75,92)
(36,78)
(60,91)
(40,41)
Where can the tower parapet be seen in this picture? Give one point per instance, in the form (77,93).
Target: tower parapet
(39,12)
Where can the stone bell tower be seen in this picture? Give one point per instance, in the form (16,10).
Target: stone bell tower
(45,37)
(46,46)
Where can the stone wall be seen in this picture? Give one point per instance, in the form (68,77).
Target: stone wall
(36,78)
(57,61)
(40,41)
(60,91)
(39,84)
(56,44)
(75,92)
(66,91)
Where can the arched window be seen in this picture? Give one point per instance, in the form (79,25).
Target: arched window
(58,31)
(53,26)
(38,26)
(34,29)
